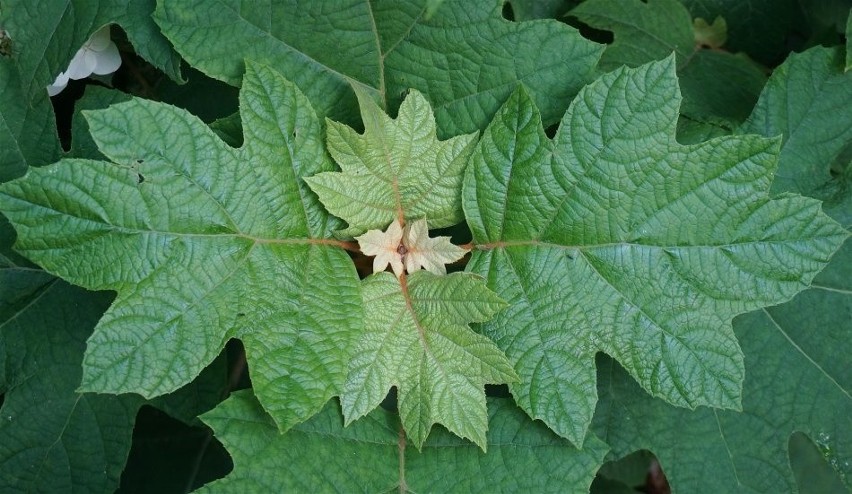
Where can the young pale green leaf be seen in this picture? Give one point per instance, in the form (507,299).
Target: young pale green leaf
(417,339)
(372,455)
(396,170)
(760,28)
(712,34)
(807,100)
(53,439)
(616,238)
(466,58)
(202,242)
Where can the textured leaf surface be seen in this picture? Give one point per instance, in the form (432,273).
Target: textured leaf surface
(644,31)
(369,456)
(796,354)
(396,170)
(95,98)
(203,243)
(466,58)
(48,34)
(27,132)
(807,100)
(714,83)
(797,379)
(53,439)
(614,237)
(416,338)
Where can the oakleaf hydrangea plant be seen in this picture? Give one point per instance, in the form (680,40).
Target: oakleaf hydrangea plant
(423,246)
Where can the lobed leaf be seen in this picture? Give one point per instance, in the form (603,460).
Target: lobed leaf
(716,84)
(372,455)
(804,102)
(465,57)
(616,238)
(416,338)
(53,439)
(797,379)
(203,243)
(643,31)
(396,170)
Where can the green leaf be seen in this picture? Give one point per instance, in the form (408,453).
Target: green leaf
(797,379)
(615,238)
(27,132)
(644,31)
(715,84)
(417,339)
(805,101)
(848,42)
(46,35)
(813,474)
(527,10)
(95,98)
(465,58)
(396,170)
(203,243)
(53,439)
(373,456)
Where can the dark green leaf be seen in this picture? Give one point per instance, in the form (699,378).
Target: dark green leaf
(806,101)
(53,439)
(715,84)
(372,455)
(465,58)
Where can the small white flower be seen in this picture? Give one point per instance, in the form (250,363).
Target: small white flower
(99,55)
(410,248)
(385,246)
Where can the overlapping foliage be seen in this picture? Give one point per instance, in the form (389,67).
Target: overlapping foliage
(610,234)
